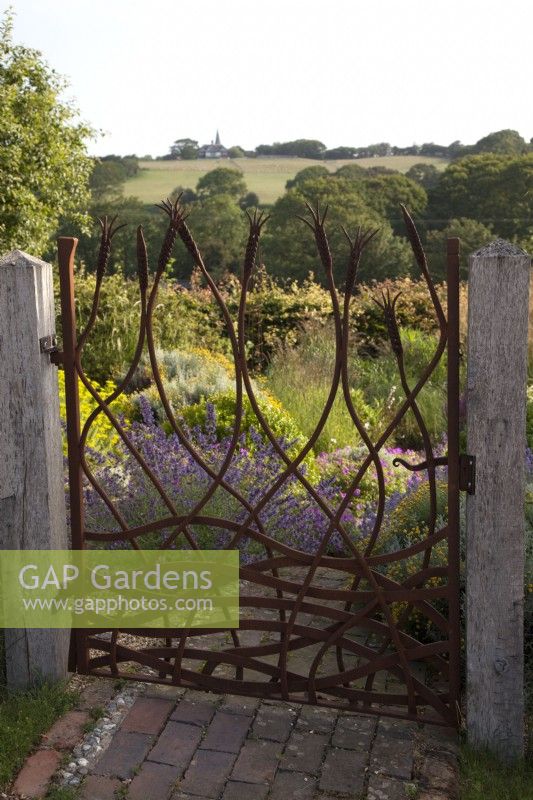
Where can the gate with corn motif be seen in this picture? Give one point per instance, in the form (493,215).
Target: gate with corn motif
(326,620)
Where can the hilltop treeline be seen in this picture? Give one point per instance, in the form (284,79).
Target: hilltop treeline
(477,197)
(507,141)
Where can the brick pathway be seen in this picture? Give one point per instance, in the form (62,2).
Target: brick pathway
(177,744)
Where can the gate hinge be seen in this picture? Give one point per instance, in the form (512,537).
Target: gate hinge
(48,345)
(467,473)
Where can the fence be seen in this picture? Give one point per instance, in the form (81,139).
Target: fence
(32,492)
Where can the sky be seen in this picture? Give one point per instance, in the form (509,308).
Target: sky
(145,73)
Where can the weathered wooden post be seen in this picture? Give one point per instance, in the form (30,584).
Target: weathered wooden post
(498,295)
(32,494)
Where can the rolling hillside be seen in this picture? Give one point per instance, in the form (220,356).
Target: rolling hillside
(264,176)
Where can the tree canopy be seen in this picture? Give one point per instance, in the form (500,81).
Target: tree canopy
(427,175)
(221,181)
(186,148)
(289,248)
(301,148)
(506,142)
(496,190)
(472,234)
(44,166)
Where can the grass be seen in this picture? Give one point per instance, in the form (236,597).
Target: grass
(375,389)
(62,793)
(484,778)
(264,176)
(24,717)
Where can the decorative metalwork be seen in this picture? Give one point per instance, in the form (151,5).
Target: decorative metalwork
(341,610)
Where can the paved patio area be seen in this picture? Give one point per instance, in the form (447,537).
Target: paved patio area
(177,744)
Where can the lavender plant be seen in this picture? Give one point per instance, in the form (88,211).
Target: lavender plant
(255,465)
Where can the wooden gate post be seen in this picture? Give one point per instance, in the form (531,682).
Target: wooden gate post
(498,294)
(32,493)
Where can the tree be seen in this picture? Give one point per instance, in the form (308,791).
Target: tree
(496,190)
(131,212)
(299,148)
(506,142)
(472,234)
(340,152)
(435,150)
(220,227)
(109,175)
(128,164)
(351,172)
(187,195)
(384,193)
(44,166)
(309,173)
(289,247)
(427,175)
(456,149)
(187,149)
(106,181)
(250,200)
(221,181)
(236,152)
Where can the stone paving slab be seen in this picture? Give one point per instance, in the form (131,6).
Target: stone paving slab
(226,732)
(242,791)
(344,771)
(67,730)
(153,782)
(124,755)
(207,773)
(257,762)
(194,712)
(380,787)
(393,757)
(98,787)
(176,745)
(196,746)
(304,752)
(32,780)
(148,715)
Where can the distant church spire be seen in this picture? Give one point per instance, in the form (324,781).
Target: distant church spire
(217,140)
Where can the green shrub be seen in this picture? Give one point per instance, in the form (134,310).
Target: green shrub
(379,381)
(276,312)
(408,522)
(408,525)
(414,309)
(188,376)
(279,421)
(181,319)
(102,435)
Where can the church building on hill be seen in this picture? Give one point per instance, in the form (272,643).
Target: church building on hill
(213,150)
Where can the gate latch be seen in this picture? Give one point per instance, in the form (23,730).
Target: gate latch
(467,473)
(48,345)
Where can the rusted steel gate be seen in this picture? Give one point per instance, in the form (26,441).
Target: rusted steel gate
(316,627)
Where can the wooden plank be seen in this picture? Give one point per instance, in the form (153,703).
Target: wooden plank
(498,298)
(32,493)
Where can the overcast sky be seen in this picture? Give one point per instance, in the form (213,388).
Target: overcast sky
(146,72)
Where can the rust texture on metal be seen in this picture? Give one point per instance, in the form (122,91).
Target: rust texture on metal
(341,611)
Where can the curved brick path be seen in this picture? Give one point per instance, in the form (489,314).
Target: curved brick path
(177,744)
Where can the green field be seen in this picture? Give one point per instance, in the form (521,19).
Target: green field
(264,176)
